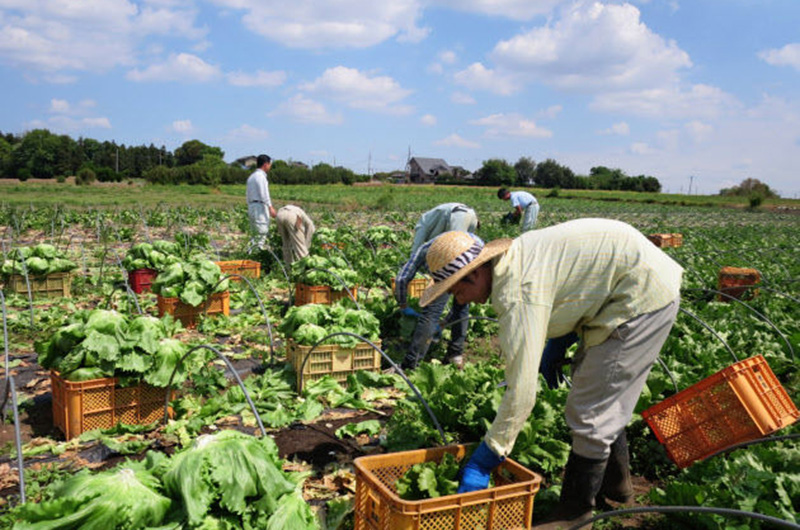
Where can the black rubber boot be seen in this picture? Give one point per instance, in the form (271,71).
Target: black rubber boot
(582,480)
(617,479)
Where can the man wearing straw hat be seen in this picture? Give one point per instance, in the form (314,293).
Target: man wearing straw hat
(599,278)
(443,218)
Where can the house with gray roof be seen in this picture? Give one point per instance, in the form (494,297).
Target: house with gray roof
(425,170)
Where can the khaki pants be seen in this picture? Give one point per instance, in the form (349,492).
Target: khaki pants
(608,379)
(295,241)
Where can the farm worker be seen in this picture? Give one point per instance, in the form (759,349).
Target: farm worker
(443,218)
(259,205)
(296,229)
(599,278)
(524,204)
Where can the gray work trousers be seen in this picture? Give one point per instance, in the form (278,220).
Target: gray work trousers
(608,379)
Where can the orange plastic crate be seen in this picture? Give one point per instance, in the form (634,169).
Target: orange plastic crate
(743,402)
(332,360)
(661,240)
(415,287)
(320,294)
(245,267)
(738,282)
(217,303)
(508,505)
(55,285)
(677,240)
(80,406)
(141,280)
(331,246)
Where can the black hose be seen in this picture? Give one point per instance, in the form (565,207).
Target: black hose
(680,509)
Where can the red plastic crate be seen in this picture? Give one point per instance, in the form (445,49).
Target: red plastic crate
(141,280)
(508,505)
(80,406)
(742,402)
(217,303)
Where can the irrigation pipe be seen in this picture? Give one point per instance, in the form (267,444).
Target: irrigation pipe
(232,370)
(283,270)
(751,308)
(396,367)
(17,438)
(709,328)
(7,364)
(261,305)
(27,283)
(728,512)
(127,285)
(753,442)
(781,293)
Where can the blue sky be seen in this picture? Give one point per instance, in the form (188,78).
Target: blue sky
(675,89)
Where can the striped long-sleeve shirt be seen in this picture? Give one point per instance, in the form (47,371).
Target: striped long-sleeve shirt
(588,276)
(410,268)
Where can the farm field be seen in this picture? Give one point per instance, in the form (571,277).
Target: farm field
(312,435)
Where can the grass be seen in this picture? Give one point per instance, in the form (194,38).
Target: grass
(349,198)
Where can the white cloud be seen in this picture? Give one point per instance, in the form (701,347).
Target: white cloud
(259,78)
(620,129)
(435,68)
(550,112)
(428,119)
(182,126)
(183,67)
(593,46)
(246,133)
(344,24)
(455,140)
(447,56)
(97,123)
(51,36)
(699,101)
(360,91)
(59,105)
(305,110)
(511,125)
(514,9)
(478,77)
(462,99)
(641,148)
(789,55)
(698,131)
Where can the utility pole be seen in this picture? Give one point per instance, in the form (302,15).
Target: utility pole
(691,178)
(369,164)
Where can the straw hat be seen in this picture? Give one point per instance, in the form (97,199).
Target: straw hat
(452,256)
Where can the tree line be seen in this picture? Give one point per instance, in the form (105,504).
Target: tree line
(45,155)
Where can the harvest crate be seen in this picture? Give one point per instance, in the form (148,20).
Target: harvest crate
(332,360)
(415,287)
(217,303)
(741,402)
(508,505)
(80,406)
(330,246)
(662,240)
(737,282)
(320,294)
(245,267)
(141,280)
(54,285)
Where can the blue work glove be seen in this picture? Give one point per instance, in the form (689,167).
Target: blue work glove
(475,475)
(407,311)
(553,358)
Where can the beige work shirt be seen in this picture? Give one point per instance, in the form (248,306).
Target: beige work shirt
(588,276)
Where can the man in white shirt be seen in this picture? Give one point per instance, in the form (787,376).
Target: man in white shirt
(525,205)
(259,205)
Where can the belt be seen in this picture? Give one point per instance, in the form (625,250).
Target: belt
(458,209)
(256,202)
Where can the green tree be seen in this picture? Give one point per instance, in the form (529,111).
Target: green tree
(496,172)
(750,187)
(526,171)
(551,174)
(193,151)
(37,154)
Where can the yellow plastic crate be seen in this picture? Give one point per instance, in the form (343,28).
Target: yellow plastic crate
(507,506)
(332,360)
(53,285)
(415,287)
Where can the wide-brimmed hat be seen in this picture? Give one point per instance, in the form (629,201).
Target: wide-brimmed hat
(452,256)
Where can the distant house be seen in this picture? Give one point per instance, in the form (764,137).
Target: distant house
(301,165)
(425,170)
(246,162)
